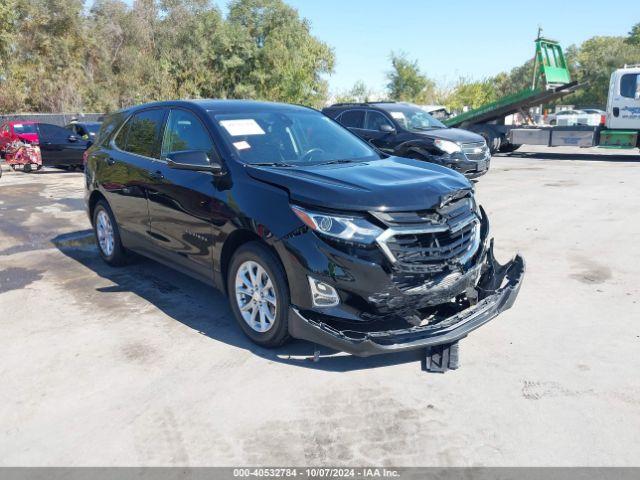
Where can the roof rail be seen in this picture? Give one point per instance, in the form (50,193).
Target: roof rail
(342,104)
(632,65)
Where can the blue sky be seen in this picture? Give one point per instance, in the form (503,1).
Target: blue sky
(451,38)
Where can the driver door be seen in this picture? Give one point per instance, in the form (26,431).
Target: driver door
(623,111)
(185,207)
(374,133)
(59,146)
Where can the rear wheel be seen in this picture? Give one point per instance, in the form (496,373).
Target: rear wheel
(107,235)
(259,295)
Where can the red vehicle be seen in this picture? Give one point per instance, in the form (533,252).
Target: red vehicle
(10,132)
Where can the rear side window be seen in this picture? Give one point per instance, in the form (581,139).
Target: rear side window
(144,133)
(52,132)
(185,132)
(352,118)
(24,128)
(121,138)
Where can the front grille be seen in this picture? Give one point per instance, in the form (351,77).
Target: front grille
(434,246)
(475,151)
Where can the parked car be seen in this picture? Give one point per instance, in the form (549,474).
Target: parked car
(84,130)
(566,115)
(594,111)
(13,131)
(60,147)
(310,231)
(406,130)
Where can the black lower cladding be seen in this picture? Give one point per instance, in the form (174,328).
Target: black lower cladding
(497,290)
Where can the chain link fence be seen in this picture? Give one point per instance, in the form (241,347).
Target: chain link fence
(60,119)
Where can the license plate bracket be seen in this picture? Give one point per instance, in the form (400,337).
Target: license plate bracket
(440,358)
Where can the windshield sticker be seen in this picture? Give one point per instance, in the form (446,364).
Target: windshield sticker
(241,145)
(237,128)
(17,125)
(397,115)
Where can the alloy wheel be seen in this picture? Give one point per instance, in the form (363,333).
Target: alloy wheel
(256,296)
(104,231)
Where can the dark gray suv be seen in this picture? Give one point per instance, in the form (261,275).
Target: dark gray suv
(406,130)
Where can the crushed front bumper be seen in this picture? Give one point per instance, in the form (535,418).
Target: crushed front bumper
(498,289)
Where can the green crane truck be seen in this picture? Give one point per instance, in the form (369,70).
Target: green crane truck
(620,127)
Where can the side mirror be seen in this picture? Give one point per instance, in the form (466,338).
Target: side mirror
(387,128)
(195,160)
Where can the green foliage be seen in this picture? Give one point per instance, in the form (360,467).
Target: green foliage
(407,82)
(634,35)
(57,56)
(471,94)
(594,62)
(358,93)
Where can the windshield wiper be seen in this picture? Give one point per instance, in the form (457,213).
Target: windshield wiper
(333,162)
(270,164)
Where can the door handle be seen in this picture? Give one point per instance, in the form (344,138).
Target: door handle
(111,161)
(157,175)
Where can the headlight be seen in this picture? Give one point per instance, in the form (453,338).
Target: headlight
(351,229)
(447,146)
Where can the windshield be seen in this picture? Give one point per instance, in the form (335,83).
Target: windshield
(411,117)
(291,137)
(19,128)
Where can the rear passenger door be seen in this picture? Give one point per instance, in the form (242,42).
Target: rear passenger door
(353,120)
(129,171)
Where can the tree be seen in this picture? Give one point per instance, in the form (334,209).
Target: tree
(358,93)
(407,82)
(471,94)
(595,60)
(271,54)
(634,35)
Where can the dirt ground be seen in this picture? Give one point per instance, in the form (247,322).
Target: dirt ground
(144,366)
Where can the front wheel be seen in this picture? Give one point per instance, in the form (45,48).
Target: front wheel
(508,148)
(259,295)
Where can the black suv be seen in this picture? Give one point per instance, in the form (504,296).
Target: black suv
(309,231)
(406,130)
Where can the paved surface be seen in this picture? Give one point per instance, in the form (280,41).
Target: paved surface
(143,366)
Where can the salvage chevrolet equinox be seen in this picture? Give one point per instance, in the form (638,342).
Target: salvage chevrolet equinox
(309,231)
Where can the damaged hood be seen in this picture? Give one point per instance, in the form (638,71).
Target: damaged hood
(394,183)
(453,134)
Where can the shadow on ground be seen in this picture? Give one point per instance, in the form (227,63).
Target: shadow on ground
(583,157)
(206,310)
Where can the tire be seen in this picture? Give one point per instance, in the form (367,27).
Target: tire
(508,148)
(115,255)
(266,332)
(26,168)
(493,140)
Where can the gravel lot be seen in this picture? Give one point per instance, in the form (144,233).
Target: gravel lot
(144,366)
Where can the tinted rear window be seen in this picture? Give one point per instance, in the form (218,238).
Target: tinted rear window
(108,126)
(352,118)
(19,128)
(144,133)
